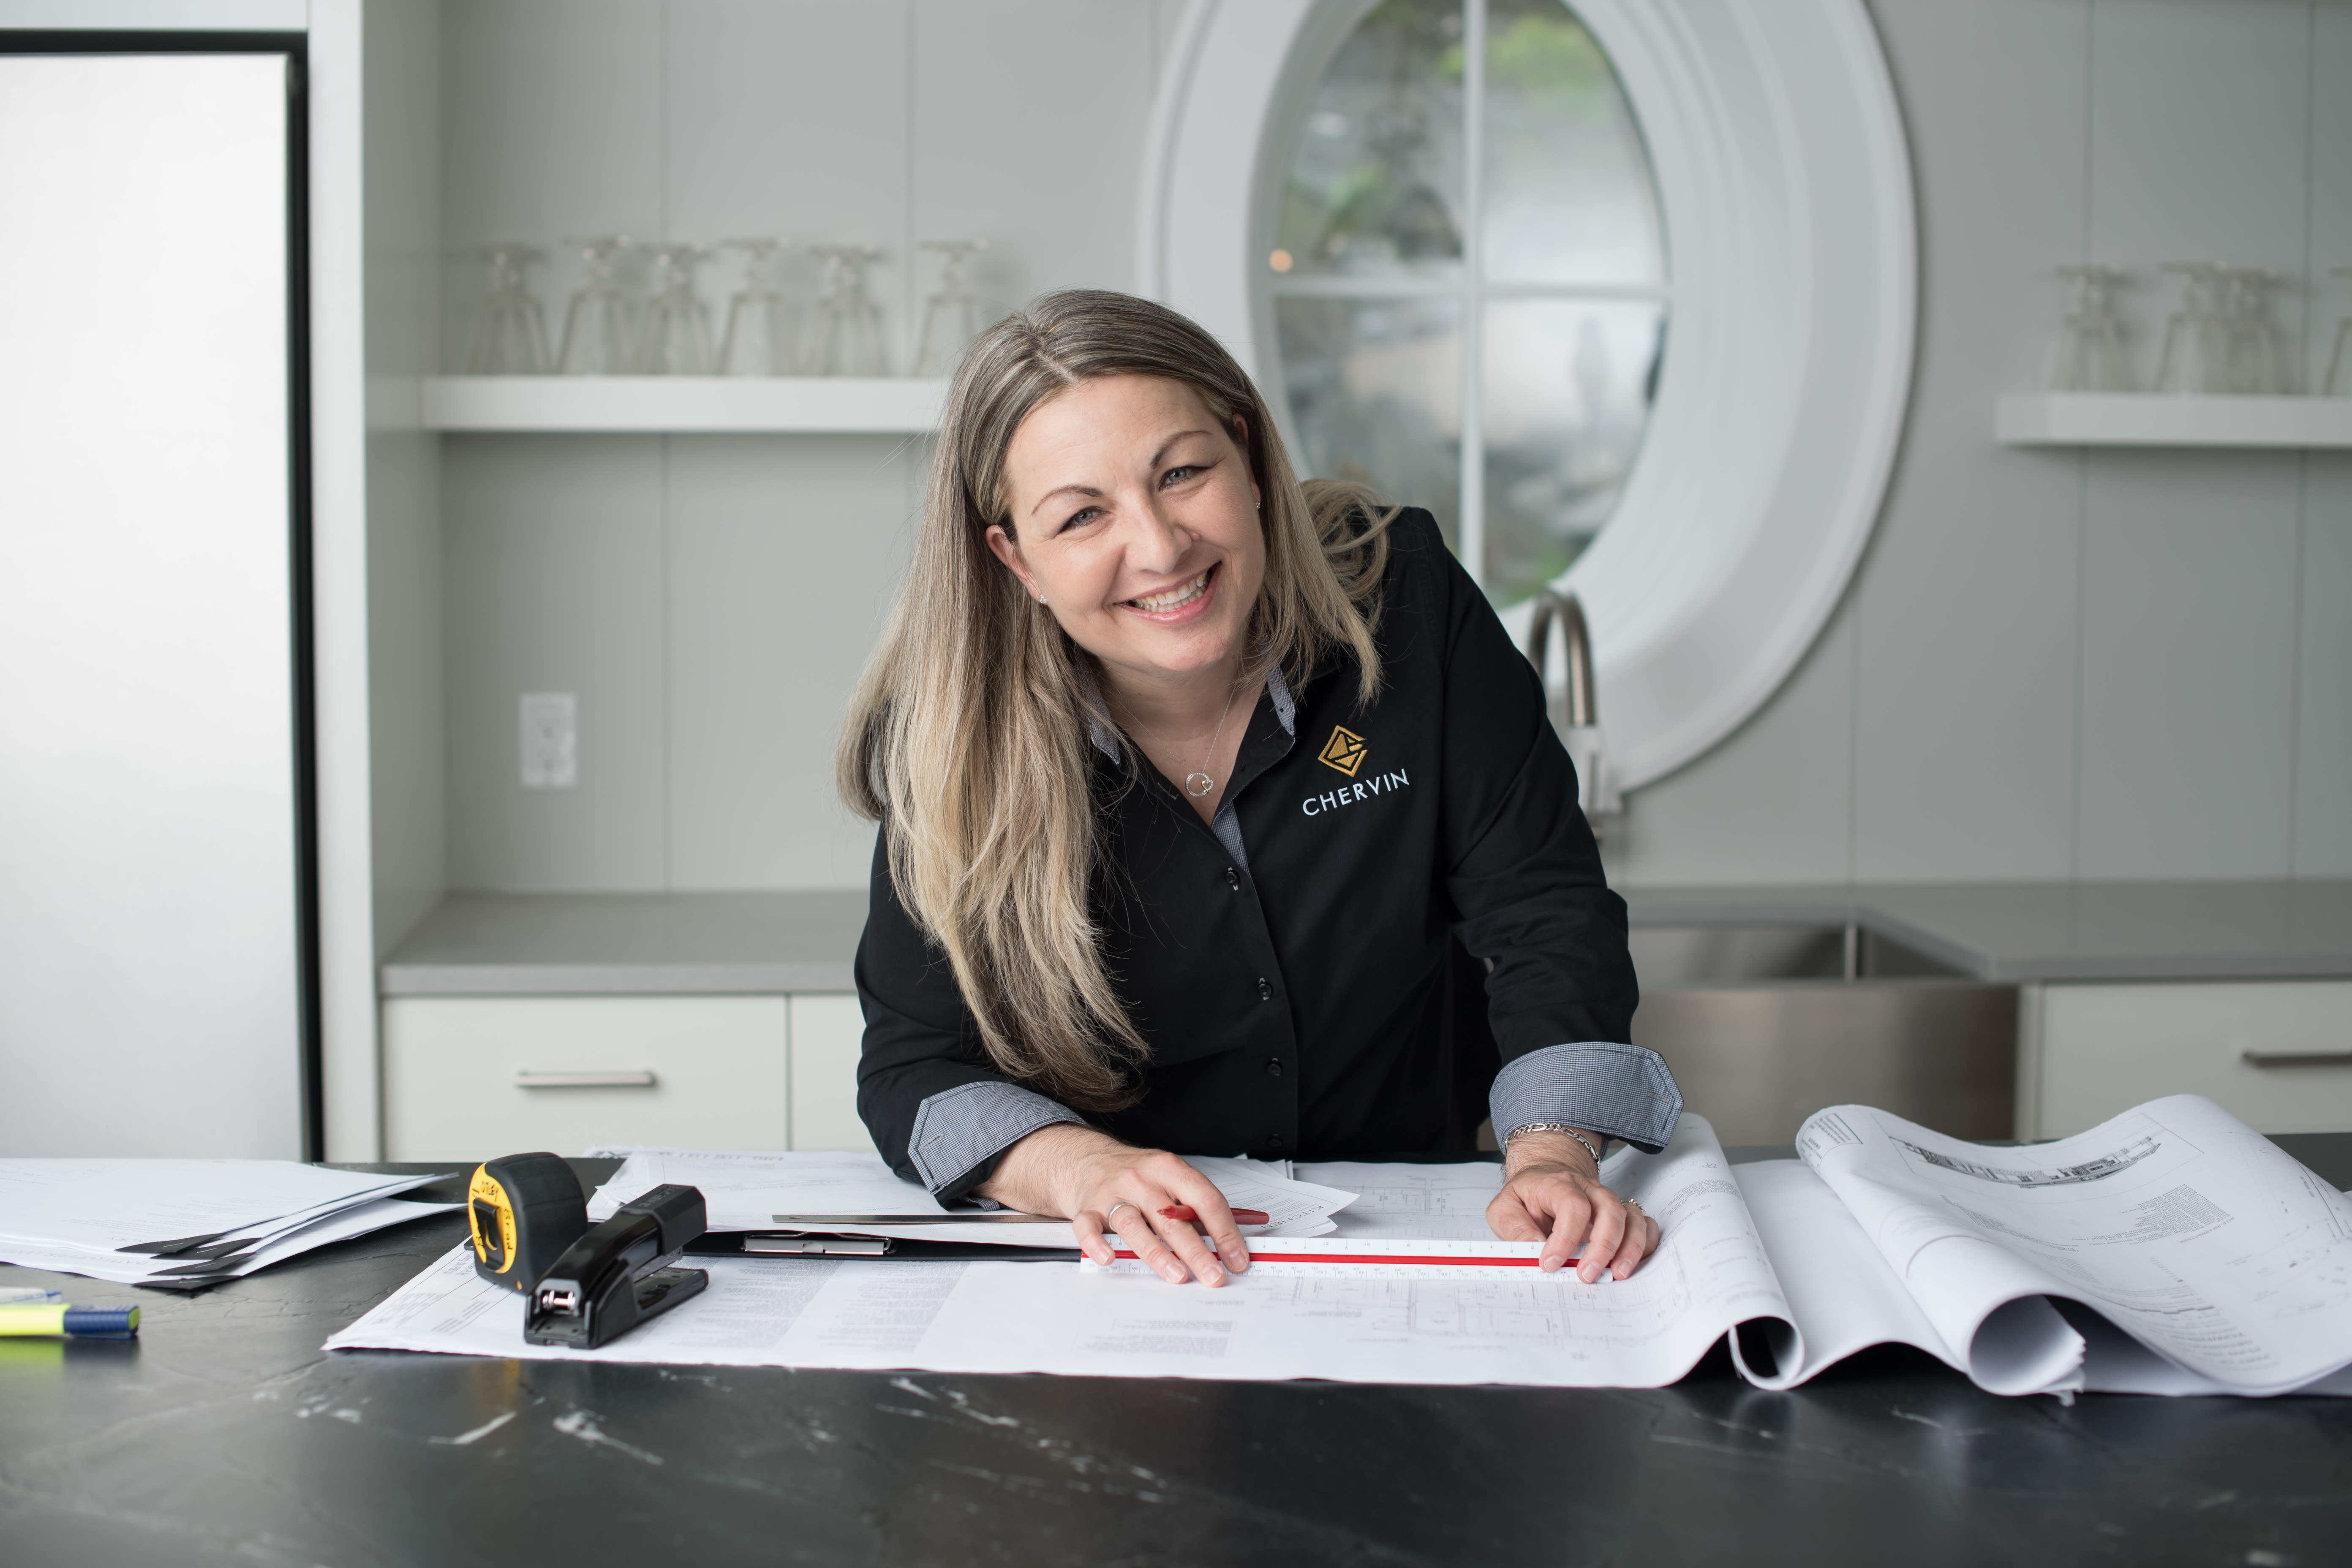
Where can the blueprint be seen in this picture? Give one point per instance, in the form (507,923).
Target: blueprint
(1349,1309)
(2203,1243)
(2171,1250)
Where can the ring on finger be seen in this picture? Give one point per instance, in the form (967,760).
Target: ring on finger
(1113,1216)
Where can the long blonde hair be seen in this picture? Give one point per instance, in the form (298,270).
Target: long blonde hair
(968,736)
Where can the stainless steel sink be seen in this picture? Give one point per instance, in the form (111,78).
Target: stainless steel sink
(1763,1024)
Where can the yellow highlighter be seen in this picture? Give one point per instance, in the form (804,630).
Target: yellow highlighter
(57,1319)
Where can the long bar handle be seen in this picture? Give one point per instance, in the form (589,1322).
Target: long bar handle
(2296,1058)
(584,1081)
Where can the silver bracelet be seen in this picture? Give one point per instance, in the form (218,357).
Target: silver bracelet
(1556,1126)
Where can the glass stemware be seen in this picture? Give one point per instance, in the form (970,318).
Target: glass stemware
(510,335)
(846,336)
(2195,357)
(758,341)
(2254,349)
(2339,363)
(2090,356)
(599,326)
(676,339)
(953,315)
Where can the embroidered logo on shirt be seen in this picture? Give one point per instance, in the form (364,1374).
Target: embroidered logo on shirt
(1345,751)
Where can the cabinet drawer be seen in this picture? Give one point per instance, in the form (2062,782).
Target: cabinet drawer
(2106,1048)
(466,1078)
(828,1033)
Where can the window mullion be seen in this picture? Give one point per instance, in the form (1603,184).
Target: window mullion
(1473,267)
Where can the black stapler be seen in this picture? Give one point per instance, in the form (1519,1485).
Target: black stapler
(620,1274)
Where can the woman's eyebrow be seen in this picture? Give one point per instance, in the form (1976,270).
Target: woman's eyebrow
(1063,490)
(1091,491)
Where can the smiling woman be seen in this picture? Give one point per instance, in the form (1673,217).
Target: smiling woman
(1164,919)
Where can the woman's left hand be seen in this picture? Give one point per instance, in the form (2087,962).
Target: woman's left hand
(1553,1194)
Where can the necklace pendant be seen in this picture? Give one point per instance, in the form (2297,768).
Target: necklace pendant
(1197,784)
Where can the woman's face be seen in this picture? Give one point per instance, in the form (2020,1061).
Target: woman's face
(1134,514)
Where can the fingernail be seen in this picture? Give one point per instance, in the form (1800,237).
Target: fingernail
(1552,1265)
(1213,1277)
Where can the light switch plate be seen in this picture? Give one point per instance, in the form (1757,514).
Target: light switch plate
(551,740)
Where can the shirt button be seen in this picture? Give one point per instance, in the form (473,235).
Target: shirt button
(1274,1141)
(1264,992)
(1233,880)
(1274,1066)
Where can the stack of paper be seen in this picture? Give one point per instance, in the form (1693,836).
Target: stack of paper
(857,1195)
(187,1223)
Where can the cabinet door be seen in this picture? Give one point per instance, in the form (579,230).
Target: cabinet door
(468,1077)
(828,1033)
(2106,1048)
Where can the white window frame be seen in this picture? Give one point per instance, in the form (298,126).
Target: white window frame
(1784,183)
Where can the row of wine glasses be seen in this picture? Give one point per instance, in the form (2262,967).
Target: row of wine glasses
(2218,342)
(608,333)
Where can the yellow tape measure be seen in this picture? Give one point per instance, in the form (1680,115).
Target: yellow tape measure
(524,1210)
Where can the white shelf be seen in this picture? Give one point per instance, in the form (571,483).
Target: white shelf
(815,405)
(2158,419)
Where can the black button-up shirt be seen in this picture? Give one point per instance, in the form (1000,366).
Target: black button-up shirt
(1294,968)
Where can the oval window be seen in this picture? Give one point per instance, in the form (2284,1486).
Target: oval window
(1469,279)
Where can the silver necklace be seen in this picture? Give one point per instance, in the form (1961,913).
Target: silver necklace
(1198,784)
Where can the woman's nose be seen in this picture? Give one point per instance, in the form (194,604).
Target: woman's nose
(1157,542)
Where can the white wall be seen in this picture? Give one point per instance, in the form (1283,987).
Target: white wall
(710,599)
(2055,665)
(2050,664)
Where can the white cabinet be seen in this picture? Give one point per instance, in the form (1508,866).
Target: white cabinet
(470,1076)
(2278,1054)
(466,1078)
(828,1033)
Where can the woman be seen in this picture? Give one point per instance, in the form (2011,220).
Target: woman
(1190,778)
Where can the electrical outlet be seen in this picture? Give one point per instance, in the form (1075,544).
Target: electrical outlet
(551,740)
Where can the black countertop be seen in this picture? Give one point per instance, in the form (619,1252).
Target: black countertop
(223,1434)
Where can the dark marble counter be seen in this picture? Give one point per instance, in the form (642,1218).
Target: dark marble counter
(223,1434)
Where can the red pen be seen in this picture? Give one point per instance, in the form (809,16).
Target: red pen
(1240,1217)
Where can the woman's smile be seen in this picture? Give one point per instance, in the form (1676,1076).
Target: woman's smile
(1173,607)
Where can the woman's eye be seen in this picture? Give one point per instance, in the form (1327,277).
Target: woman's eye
(1084,516)
(1178,475)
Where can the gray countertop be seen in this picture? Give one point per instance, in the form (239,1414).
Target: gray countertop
(612,944)
(480,944)
(2013,932)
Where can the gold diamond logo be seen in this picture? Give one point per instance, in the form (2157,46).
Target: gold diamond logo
(1344,751)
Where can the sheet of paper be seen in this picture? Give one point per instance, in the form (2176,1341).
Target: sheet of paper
(1411,1201)
(2178,1223)
(1841,1291)
(747,1191)
(101,1206)
(165,1273)
(1346,1318)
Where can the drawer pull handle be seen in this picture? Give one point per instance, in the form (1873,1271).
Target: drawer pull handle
(584,1081)
(2296,1058)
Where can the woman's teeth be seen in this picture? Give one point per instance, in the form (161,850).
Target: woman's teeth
(1175,598)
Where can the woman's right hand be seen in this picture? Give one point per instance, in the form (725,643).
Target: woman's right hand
(1100,1185)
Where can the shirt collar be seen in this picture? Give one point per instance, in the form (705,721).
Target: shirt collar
(1105,735)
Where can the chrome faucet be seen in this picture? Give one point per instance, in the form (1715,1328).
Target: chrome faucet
(1576,716)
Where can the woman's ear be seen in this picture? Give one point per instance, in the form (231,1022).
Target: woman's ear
(1003,546)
